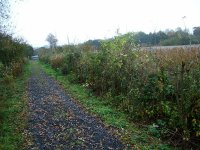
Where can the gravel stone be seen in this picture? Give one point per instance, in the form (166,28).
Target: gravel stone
(57,122)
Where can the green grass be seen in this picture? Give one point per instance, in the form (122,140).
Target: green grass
(127,131)
(13,113)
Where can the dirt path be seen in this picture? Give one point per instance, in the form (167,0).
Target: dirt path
(56,122)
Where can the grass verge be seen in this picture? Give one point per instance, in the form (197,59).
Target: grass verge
(127,131)
(13,112)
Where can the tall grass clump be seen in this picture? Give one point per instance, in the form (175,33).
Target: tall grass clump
(56,60)
(158,88)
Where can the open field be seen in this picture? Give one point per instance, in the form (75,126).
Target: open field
(172,47)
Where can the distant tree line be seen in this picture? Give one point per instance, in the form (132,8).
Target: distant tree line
(169,37)
(161,38)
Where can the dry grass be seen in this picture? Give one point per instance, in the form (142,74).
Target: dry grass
(57,60)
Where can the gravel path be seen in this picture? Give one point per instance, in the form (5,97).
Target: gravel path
(57,122)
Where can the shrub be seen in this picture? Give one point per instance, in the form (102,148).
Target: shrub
(16,68)
(8,79)
(64,69)
(159,87)
(57,60)
(1,70)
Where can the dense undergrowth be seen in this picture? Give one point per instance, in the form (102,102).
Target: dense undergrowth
(159,88)
(14,55)
(130,134)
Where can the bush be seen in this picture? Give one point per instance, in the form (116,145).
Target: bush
(64,69)
(8,80)
(1,70)
(16,68)
(147,85)
(56,60)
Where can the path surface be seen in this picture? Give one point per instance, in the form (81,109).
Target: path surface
(56,122)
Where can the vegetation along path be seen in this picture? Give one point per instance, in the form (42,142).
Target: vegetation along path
(57,122)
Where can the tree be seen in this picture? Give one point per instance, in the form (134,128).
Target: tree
(142,38)
(162,35)
(196,31)
(4,14)
(52,41)
(4,8)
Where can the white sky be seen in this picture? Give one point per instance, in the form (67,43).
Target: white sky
(81,20)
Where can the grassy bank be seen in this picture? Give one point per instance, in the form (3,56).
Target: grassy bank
(126,131)
(13,111)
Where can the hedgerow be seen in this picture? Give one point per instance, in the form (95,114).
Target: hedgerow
(159,88)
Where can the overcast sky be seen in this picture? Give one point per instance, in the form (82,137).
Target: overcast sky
(81,20)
